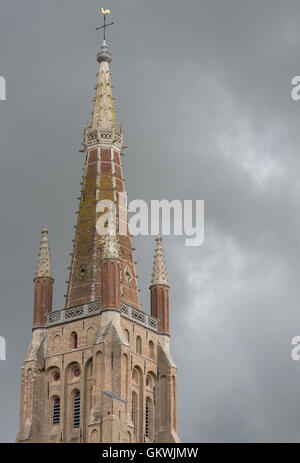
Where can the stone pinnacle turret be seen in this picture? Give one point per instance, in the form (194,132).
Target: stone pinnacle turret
(159,275)
(159,290)
(43,284)
(43,268)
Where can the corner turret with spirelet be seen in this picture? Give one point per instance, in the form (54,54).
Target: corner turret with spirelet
(159,289)
(43,283)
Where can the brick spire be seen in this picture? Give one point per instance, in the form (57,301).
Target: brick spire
(43,283)
(159,275)
(102,181)
(43,268)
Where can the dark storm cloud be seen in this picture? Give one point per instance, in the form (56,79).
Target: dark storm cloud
(203,91)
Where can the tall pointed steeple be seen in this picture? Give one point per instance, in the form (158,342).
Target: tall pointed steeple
(102,181)
(159,275)
(43,268)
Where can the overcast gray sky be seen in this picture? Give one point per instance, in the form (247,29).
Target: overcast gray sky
(203,91)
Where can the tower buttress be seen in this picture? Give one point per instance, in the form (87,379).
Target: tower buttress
(43,283)
(159,290)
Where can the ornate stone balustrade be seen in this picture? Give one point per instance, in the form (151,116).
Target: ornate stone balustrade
(94,308)
(138,316)
(73,313)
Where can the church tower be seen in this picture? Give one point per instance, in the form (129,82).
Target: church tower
(100,369)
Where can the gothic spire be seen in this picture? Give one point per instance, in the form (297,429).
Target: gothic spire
(43,268)
(102,180)
(104,112)
(159,275)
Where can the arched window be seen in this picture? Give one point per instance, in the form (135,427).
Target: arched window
(135,376)
(174,402)
(91,398)
(127,336)
(28,392)
(148,417)
(74,340)
(56,343)
(56,410)
(151,350)
(76,409)
(138,345)
(94,436)
(149,382)
(90,337)
(134,409)
(164,404)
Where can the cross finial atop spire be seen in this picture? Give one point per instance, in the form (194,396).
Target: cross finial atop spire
(43,268)
(104,12)
(104,54)
(159,275)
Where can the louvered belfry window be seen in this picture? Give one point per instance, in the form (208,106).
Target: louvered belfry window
(134,408)
(56,410)
(76,410)
(147,418)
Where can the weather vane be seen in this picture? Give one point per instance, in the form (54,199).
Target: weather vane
(104,12)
